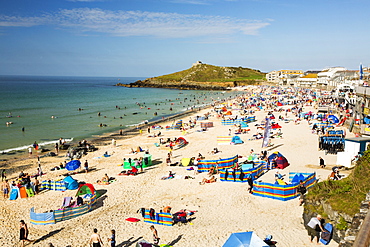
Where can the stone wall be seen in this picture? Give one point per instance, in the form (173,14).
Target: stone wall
(350,225)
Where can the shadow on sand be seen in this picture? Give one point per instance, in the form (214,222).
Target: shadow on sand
(48,235)
(175,241)
(128,242)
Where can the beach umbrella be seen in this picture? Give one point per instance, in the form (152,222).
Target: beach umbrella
(242,239)
(73,165)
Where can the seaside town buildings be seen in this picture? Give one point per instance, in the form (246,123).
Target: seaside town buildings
(350,86)
(328,78)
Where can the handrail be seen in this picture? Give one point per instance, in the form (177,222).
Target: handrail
(363,236)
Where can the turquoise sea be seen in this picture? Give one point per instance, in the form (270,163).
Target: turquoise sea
(48,107)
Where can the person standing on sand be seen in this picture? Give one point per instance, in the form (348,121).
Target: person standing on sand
(23,233)
(315,227)
(39,171)
(57,148)
(112,239)
(250,183)
(3,176)
(36,183)
(155,234)
(86,166)
(95,240)
(6,188)
(30,151)
(301,189)
(322,162)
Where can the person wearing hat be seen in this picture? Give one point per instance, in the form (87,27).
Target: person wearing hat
(315,227)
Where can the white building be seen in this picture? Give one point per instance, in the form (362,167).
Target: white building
(283,77)
(308,80)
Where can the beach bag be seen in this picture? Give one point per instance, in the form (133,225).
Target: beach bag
(325,236)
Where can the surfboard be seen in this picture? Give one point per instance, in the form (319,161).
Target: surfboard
(13,194)
(329,228)
(23,192)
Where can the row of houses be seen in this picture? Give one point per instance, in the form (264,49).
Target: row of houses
(328,78)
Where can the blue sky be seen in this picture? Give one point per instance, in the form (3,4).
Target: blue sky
(155,37)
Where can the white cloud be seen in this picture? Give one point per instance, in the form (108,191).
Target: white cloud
(138,23)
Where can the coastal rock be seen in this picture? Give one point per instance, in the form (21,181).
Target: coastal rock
(203,77)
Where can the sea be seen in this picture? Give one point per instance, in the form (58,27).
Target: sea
(43,109)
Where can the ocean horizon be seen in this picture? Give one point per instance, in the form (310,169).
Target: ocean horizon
(43,109)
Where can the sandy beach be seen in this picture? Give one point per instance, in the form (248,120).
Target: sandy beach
(222,207)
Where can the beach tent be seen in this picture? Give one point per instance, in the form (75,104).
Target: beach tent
(181,142)
(243,125)
(186,162)
(70,183)
(275,126)
(367,120)
(73,165)
(297,177)
(236,140)
(333,119)
(85,189)
(228,113)
(243,239)
(281,162)
(147,160)
(273,156)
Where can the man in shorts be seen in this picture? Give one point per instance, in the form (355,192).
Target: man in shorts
(86,166)
(315,227)
(6,188)
(95,240)
(301,189)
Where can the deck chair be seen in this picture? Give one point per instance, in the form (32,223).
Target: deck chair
(67,201)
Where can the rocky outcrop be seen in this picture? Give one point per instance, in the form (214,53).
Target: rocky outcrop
(346,227)
(203,77)
(175,85)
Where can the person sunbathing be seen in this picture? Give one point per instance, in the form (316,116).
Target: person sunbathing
(212,171)
(104,180)
(133,171)
(215,151)
(208,181)
(170,176)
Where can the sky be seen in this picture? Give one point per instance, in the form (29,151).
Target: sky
(147,38)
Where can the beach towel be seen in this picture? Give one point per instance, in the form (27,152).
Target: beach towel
(23,192)
(30,192)
(131,219)
(14,193)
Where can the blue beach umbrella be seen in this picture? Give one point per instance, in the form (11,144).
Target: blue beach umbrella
(73,165)
(244,239)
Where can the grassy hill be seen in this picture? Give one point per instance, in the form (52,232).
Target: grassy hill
(204,76)
(345,195)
